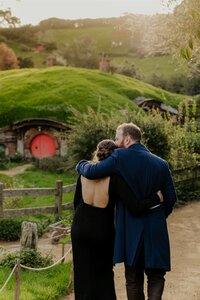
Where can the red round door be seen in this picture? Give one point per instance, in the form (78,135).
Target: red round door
(43,146)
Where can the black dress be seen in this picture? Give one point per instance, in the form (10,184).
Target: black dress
(92,235)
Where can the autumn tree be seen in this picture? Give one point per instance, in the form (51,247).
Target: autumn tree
(8,59)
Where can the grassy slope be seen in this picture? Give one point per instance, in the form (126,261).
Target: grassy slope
(102,37)
(48,92)
(164,66)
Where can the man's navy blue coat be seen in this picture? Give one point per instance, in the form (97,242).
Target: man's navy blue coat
(145,173)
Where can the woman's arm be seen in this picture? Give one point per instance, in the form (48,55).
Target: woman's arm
(127,196)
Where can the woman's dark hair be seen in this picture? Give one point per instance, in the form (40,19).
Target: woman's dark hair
(103,150)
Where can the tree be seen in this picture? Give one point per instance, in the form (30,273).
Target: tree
(25,62)
(81,53)
(184,32)
(6,18)
(8,59)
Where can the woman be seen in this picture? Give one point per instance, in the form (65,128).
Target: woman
(92,231)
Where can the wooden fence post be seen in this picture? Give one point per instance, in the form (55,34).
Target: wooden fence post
(17,281)
(29,235)
(1,199)
(58,197)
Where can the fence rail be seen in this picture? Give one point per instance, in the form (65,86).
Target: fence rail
(57,209)
(182,175)
(186,174)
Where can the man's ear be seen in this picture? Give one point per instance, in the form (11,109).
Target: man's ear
(127,140)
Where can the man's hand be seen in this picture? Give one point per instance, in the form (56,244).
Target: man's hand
(160,196)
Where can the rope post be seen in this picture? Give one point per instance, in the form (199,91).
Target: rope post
(1,199)
(58,197)
(63,252)
(17,281)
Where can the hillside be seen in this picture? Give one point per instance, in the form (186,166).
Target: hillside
(47,93)
(146,49)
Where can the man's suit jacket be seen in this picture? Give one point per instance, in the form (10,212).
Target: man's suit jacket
(145,173)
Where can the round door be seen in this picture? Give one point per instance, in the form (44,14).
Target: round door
(43,146)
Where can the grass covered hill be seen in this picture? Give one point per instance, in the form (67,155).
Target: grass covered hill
(48,93)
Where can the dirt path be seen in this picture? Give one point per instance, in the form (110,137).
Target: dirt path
(15,171)
(183,282)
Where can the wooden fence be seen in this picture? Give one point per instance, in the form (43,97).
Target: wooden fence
(56,209)
(187,175)
(182,175)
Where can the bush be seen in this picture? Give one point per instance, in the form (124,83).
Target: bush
(187,192)
(3,159)
(8,59)
(86,132)
(28,257)
(10,228)
(26,62)
(129,70)
(90,128)
(55,164)
(155,137)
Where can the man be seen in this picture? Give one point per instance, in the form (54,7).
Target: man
(142,242)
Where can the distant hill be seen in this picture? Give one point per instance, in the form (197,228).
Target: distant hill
(48,93)
(141,43)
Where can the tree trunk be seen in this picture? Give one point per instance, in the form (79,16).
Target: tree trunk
(29,235)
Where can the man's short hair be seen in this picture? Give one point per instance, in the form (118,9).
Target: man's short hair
(132,130)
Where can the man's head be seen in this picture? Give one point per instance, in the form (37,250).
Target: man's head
(127,134)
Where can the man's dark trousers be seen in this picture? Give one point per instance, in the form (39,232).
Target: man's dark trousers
(135,280)
(135,283)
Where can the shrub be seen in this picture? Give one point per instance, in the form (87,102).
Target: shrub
(88,129)
(26,62)
(3,159)
(184,139)
(53,164)
(187,192)
(156,139)
(10,228)
(28,257)
(129,70)
(8,59)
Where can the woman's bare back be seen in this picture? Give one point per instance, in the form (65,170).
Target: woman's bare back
(95,192)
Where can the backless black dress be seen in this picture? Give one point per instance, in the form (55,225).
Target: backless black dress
(92,235)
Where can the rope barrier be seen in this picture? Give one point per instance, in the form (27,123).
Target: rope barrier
(55,237)
(36,269)
(13,270)
(49,267)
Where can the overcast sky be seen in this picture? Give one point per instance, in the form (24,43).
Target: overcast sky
(33,11)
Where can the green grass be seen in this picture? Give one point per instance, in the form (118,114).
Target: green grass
(34,178)
(162,66)
(49,284)
(48,93)
(102,37)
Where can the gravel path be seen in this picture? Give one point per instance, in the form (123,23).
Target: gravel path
(183,282)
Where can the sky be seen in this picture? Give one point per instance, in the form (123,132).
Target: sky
(33,11)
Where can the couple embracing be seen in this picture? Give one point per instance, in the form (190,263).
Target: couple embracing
(120,216)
